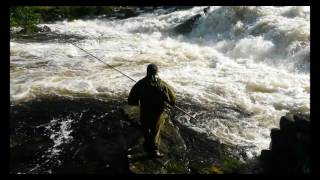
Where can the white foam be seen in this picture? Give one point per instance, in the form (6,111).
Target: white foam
(59,135)
(251,58)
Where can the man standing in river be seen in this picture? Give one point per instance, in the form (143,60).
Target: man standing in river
(151,93)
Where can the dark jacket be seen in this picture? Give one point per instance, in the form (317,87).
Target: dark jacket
(152,95)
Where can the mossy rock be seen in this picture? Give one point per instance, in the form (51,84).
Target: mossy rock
(233,166)
(227,166)
(215,170)
(132,113)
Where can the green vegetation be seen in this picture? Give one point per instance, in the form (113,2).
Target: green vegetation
(24,17)
(28,16)
(233,166)
(54,13)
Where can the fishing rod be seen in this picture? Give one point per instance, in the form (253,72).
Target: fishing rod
(168,105)
(103,62)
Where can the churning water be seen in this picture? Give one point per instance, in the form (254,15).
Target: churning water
(242,67)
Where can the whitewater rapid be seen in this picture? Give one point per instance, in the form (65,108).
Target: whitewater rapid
(253,59)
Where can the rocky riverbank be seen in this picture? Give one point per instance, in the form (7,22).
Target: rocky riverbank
(60,135)
(24,19)
(188,151)
(89,136)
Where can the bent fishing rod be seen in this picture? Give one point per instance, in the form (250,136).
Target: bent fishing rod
(168,105)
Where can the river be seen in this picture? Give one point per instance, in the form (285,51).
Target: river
(238,70)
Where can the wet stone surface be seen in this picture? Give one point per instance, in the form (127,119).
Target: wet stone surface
(88,136)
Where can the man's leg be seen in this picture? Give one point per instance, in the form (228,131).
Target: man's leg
(159,126)
(156,135)
(148,141)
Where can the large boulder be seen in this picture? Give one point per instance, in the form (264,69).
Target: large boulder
(290,146)
(44,29)
(187,26)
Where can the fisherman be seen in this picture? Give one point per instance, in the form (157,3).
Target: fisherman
(151,93)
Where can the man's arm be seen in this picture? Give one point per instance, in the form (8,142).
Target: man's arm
(169,94)
(133,98)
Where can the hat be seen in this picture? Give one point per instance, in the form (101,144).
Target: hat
(152,69)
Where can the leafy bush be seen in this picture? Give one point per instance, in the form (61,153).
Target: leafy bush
(25,17)
(28,16)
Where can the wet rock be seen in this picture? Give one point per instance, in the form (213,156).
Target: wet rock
(14,30)
(187,26)
(186,151)
(127,13)
(286,122)
(290,146)
(107,138)
(124,12)
(44,29)
(98,144)
(172,146)
(45,37)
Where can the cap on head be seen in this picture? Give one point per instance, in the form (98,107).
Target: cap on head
(152,69)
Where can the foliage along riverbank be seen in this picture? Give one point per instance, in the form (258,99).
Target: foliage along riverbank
(28,16)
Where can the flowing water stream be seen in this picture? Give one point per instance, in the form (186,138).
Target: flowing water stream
(238,70)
